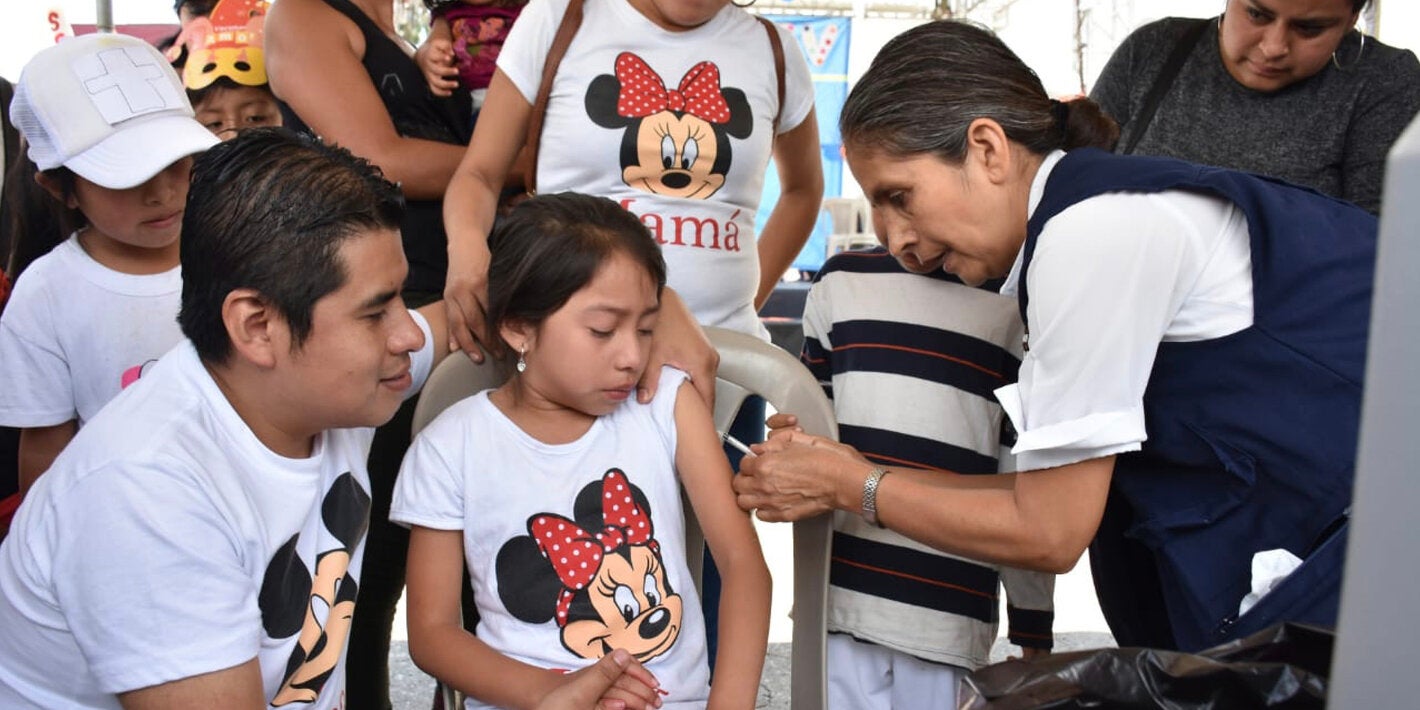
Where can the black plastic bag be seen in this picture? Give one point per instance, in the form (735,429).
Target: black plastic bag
(1283,666)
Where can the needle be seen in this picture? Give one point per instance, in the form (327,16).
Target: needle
(735,443)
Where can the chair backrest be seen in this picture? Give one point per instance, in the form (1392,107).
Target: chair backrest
(456,378)
(852,224)
(751,366)
(839,242)
(850,215)
(747,366)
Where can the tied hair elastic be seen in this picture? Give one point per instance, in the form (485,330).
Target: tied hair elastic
(1060,111)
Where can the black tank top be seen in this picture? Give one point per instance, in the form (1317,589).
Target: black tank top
(416,113)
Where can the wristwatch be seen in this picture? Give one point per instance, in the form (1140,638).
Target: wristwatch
(870,495)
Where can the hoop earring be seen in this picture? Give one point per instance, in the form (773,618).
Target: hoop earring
(1353,64)
(522,365)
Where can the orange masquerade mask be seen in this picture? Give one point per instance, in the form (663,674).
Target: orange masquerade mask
(226,43)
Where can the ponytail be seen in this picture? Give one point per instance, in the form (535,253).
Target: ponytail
(35,221)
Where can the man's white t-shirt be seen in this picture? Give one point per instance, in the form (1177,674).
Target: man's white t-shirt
(694,180)
(75,332)
(472,469)
(167,541)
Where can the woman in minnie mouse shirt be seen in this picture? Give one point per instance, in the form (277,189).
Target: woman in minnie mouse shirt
(671,109)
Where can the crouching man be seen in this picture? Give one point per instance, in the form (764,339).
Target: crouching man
(199,542)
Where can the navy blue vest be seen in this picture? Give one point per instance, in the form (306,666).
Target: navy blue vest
(1252,436)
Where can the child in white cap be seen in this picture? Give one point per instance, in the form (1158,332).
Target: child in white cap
(111,133)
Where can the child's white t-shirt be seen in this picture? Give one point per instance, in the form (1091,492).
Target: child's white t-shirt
(605,133)
(75,332)
(167,541)
(473,469)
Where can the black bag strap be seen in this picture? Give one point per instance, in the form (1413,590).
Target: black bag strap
(1163,82)
(776,45)
(571,21)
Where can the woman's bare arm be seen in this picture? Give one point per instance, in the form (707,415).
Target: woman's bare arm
(1040,520)
(471,203)
(796,155)
(313,56)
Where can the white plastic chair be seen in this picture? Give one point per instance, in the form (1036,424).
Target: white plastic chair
(747,366)
(456,378)
(852,224)
(850,214)
(841,242)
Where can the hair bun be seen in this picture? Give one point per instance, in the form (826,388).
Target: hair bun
(1085,124)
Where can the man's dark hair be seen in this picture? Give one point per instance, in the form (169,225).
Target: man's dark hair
(268,210)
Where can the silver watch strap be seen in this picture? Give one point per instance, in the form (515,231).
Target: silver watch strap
(870,495)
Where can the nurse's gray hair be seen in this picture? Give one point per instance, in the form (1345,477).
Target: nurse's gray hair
(928,84)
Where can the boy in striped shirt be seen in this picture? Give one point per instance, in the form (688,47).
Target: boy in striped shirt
(907,622)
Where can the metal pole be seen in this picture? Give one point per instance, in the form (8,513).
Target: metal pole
(104,15)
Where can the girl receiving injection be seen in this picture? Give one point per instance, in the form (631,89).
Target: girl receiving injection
(562,493)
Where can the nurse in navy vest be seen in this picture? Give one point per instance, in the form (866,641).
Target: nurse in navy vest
(1196,338)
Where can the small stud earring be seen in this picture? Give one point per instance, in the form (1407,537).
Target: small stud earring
(522,360)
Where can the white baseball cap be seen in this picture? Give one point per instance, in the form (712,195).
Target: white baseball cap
(107,106)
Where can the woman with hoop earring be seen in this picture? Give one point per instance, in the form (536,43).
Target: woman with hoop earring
(1285,88)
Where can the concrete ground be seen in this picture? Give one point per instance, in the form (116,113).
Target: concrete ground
(1078,626)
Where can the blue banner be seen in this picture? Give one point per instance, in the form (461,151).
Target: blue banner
(824,42)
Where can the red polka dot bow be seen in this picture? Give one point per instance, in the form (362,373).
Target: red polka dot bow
(576,554)
(644,94)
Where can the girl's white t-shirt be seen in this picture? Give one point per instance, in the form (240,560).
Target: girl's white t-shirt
(540,519)
(75,332)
